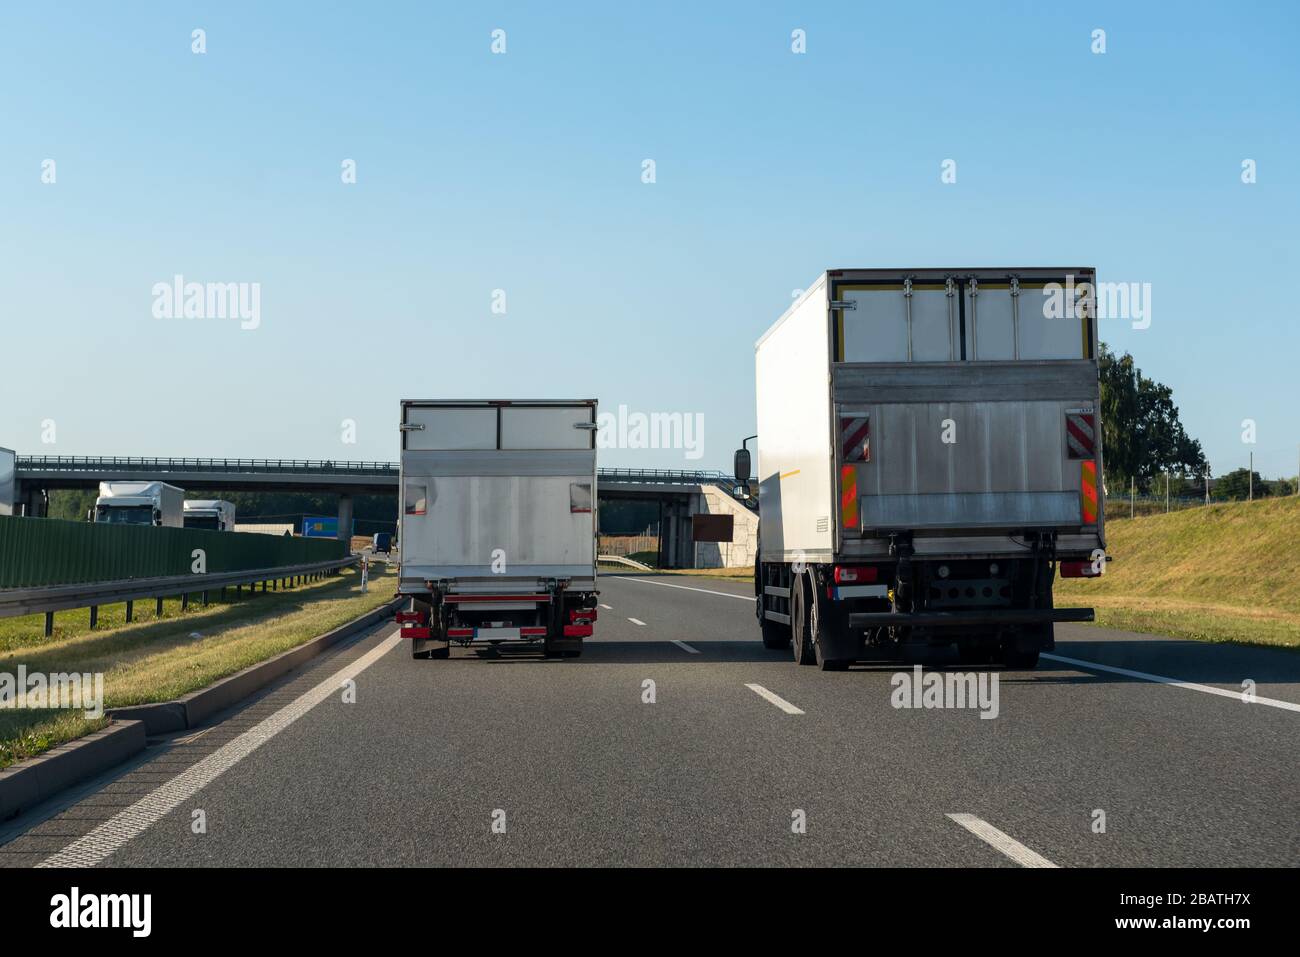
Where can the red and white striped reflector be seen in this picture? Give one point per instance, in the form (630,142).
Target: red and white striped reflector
(1080,570)
(855,438)
(1080,435)
(460,632)
(532,631)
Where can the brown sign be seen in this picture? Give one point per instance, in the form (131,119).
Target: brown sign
(712,528)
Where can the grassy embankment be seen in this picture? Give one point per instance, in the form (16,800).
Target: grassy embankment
(1226,572)
(160,659)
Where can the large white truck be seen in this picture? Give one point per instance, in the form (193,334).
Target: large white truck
(140,503)
(211,513)
(497,524)
(929,460)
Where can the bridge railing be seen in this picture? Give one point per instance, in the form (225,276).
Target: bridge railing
(88,463)
(114,463)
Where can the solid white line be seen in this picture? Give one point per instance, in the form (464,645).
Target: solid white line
(94,847)
(1003,842)
(1161,679)
(703,591)
(684,646)
(637,621)
(606,607)
(777,700)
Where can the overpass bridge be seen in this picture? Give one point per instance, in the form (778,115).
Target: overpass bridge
(679,493)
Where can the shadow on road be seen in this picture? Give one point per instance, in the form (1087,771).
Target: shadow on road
(1182,660)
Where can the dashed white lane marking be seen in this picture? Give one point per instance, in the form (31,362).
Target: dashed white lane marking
(1005,843)
(94,847)
(703,591)
(684,646)
(1161,679)
(606,607)
(777,700)
(637,621)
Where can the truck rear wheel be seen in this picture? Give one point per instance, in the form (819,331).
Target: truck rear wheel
(801,634)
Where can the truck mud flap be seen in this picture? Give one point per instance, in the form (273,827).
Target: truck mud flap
(978,616)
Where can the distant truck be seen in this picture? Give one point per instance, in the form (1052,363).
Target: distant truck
(929,460)
(382,543)
(139,503)
(498,524)
(210,513)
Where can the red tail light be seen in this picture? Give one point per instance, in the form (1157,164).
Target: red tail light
(1080,570)
(855,574)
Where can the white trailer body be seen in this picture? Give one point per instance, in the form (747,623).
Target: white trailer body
(140,503)
(210,513)
(497,523)
(927,439)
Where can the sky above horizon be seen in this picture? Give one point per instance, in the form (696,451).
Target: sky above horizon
(516,179)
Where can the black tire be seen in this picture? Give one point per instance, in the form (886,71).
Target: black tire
(419,655)
(438,653)
(816,625)
(801,638)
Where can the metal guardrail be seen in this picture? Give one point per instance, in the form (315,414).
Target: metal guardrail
(52,598)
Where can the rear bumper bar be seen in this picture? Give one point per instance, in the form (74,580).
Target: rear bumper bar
(975,616)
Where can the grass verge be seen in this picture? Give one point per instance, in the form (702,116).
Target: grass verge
(161,659)
(1227,572)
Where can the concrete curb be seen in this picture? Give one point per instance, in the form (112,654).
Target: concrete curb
(29,782)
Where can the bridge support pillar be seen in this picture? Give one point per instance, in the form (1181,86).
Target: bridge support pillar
(345,517)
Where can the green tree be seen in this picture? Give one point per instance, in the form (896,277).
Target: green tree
(1142,437)
(1235,486)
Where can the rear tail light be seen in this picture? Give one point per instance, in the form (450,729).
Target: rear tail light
(582,614)
(577,631)
(1081,569)
(853,574)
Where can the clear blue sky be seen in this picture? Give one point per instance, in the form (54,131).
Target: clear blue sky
(522,172)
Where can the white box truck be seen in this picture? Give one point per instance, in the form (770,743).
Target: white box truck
(140,503)
(929,459)
(210,513)
(497,523)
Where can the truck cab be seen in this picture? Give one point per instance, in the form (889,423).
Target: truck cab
(139,503)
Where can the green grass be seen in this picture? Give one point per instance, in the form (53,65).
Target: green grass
(1227,572)
(157,660)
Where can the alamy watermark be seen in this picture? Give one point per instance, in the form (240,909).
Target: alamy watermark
(950,689)
(39,691)
(1103,300)
(179,299)
(654,430)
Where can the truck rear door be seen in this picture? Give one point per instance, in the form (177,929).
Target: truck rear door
(498,491)
(962,404)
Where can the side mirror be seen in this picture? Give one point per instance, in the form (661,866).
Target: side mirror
(741,466)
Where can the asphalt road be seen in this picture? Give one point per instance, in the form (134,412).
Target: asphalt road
(582,770)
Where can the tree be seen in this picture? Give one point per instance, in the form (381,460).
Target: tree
(1236,485)
(1142,437)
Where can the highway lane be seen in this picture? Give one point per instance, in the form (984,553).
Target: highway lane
(587,772)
